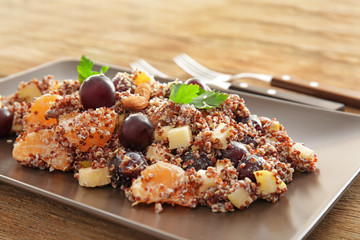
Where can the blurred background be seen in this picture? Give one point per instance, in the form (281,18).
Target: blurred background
(316,40)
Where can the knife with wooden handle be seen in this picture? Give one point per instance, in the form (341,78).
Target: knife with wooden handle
(348,97)
(288,96)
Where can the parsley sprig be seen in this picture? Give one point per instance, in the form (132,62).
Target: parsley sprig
(193,94)
(85,68)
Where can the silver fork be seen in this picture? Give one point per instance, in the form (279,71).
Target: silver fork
(199,71)
(315,89)
(147,67)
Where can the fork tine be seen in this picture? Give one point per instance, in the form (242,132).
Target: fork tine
(134,65)
(196,68)
(142,64)
(200,67)
(189,68)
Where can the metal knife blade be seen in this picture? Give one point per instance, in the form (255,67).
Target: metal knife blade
(268,92)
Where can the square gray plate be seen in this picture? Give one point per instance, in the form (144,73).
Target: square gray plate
(334,136)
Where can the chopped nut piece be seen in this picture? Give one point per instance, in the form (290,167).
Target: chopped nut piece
(144,90)
(135,103)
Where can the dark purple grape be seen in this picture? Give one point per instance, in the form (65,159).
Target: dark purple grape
(200,162)
(248,165)
(198,82)
(6,118)
(252,120)
(235,152)
(249,140)
(97,91)
(124,169)
(137,132)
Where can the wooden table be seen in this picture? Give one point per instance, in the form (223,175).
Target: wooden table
(318,40)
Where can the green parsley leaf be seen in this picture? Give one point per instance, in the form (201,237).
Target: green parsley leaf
(85,68)
(209,100)
(104,69)
(183,93)
(193,94)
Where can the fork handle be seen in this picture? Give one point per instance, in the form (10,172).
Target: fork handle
(348,97)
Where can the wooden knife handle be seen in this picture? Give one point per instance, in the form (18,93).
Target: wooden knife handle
(348,97)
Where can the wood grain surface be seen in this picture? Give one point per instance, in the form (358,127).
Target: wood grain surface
(317,40)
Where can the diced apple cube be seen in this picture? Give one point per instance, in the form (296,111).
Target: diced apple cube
(240,198)
(206,181)
(222,135)
(180,137)
(164,134)
(274,126)
(268,183)
(305,152)
(152,153)
(155,153)
(89,177)
(29,92)
(219,166)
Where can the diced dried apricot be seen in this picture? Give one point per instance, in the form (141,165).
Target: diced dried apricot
(41,145)
(141,77)
(87,129)
(37,115)
(163,183)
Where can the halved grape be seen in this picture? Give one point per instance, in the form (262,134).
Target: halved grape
(137,132)
(198,82)
(252,120)
(200,162)
(249,140)
(249,165)
(97,91)
(6,118)
(124,169)
(235,152)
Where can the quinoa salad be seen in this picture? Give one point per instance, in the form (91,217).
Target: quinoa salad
(161,143)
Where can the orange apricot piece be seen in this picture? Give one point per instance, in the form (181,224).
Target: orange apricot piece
(163,183)
(37,115)
(141,77)
(87,129)
(31,148)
